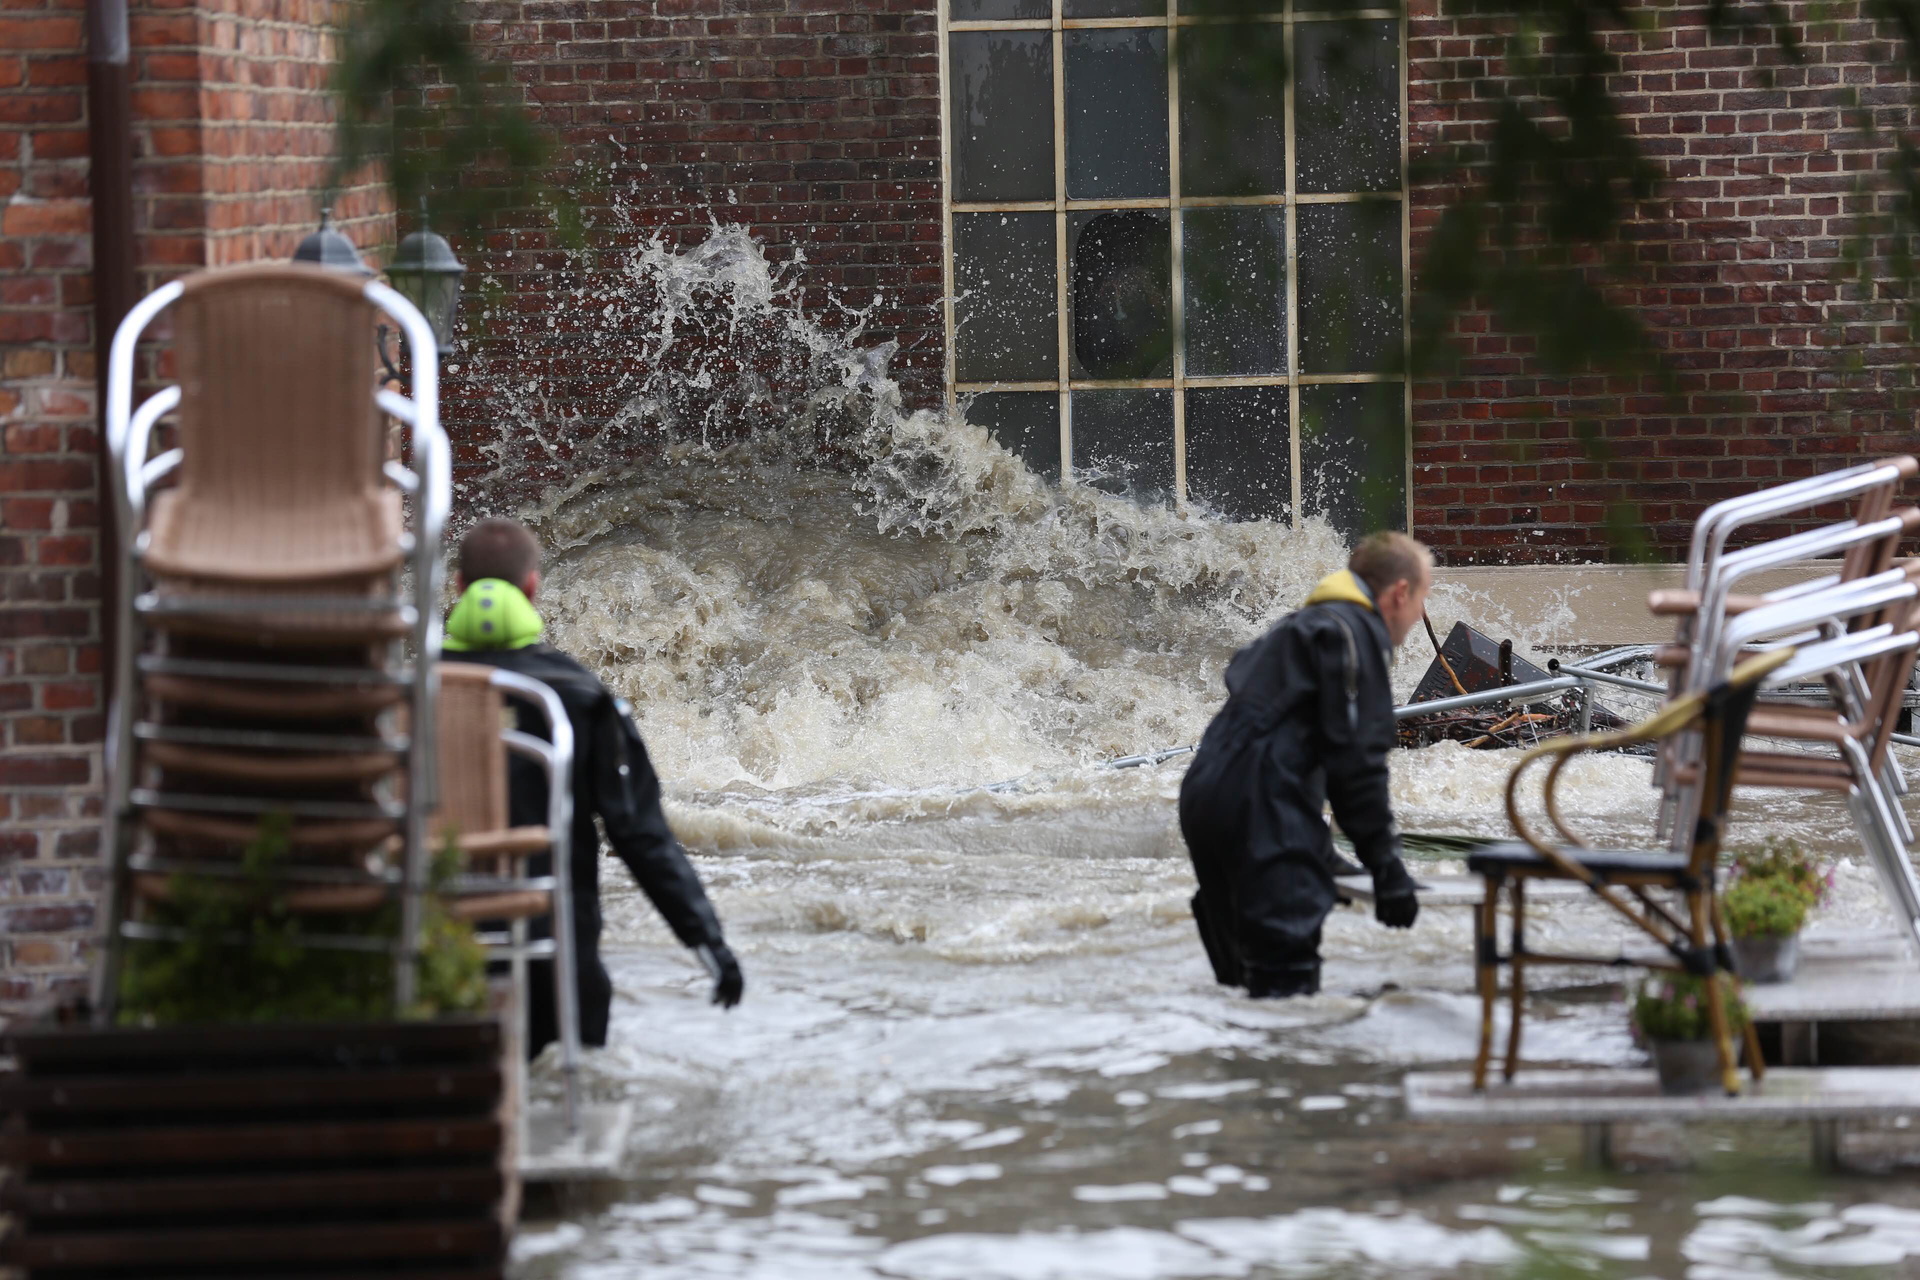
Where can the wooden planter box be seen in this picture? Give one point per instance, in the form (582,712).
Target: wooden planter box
(366,1151)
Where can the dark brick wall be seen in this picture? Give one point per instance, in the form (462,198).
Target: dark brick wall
(1781,367)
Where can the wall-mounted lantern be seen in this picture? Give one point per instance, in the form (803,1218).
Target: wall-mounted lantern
(325,247)
(425,271)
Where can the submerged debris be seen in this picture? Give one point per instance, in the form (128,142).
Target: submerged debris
(1470,662)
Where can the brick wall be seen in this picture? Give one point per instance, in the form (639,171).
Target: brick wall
(1781,368)
(230,135)
(813,122)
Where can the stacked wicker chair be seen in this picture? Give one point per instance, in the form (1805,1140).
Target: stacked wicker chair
(278,605)
(1855,630)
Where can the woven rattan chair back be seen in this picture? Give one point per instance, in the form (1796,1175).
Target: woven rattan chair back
(473,757)
(276,367)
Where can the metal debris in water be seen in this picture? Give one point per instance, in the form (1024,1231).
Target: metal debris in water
(1469,662)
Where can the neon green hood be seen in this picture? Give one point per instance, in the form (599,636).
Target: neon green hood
(494,614)
(1341,588)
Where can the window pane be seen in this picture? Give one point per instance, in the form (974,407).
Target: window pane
(1238,456)
(1121,275)
(1002,108)
(1027,423)
(1116,113)
(998,10)
(1005,317)
(1349,264)
(1123,441)
(1113,8)
(1353,455)
(1233,82)
(1234,266)
(1346,123)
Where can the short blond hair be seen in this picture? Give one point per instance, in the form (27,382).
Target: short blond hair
(1387,557)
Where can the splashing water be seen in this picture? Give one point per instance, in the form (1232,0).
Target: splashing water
(843,592)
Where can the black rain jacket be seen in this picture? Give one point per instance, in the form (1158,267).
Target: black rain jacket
(1308,719)
(613,779)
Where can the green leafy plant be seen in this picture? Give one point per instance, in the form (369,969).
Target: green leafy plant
(1764,907)
(1782,859)
(238,956)
(1673,1006)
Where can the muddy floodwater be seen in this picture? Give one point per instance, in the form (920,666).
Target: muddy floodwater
(980,1040)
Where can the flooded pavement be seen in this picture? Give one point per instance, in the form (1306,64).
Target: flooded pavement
(986,1046)
(980,1040)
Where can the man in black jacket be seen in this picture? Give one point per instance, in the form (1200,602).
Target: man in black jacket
(1309,718)
(495,622)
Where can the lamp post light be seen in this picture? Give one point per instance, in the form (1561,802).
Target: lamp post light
(325,247)
(426,273)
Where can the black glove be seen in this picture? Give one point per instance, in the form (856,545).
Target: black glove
(1394,904)
(727,980)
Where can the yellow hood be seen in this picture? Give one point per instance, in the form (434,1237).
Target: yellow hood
(1341,588)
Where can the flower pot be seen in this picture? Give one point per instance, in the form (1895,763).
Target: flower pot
(1767,960)
(1686,1066)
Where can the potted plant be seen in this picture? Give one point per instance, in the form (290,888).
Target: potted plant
(1775,885)
(1671,1016)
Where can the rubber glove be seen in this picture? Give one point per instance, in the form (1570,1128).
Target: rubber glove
(728,983)
(1394,903)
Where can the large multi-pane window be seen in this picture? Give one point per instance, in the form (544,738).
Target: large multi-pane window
(1175,266)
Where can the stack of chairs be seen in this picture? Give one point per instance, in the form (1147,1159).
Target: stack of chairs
(278,605)
(1843,745)
(1856,631)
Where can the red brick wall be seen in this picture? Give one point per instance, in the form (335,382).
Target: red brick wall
(813,122)
(230,134)
(1781,368)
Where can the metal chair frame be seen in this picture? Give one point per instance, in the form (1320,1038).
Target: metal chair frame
(555,756)
(1880,536)
(428,482)
(1694,938)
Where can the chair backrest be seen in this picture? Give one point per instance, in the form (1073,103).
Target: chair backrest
(276,367)
(1878,540)
(472,754)
(1722,725)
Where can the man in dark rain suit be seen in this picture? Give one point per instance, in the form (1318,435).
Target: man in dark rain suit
(1309,718)
(496,623)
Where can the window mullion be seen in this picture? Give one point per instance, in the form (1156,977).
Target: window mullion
(946,200)
(1293,273)
(1060,237)
(1178,263)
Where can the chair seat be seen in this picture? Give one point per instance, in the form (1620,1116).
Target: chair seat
(1517,857)
(507,905)
(307,769)
(274,701)
(276,544)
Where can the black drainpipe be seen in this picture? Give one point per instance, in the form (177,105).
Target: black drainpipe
(110,182)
